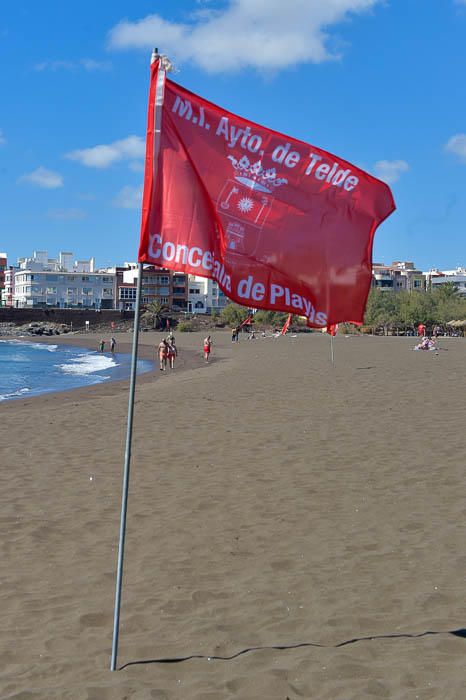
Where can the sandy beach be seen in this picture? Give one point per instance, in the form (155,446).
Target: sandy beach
(275,500)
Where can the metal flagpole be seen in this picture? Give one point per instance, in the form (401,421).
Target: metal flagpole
(332,354)
(124,500)
(165,66)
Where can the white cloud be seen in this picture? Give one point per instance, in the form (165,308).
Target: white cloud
(137,166)
(457,144)
(66,214)
(88,64)
(2,138)
(104,155)
(390,170)
(42,177)
(128,198)
(261,34)
(53,65)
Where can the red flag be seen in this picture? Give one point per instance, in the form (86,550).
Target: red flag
(278,223)
(247,322)
(287,324)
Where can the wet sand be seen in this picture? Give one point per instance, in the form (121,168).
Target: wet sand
(275,500)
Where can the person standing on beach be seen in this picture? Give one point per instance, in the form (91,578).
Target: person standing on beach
(421,330)
(162,351)
(102,345)
(172,353)
(207,348)
(112,344)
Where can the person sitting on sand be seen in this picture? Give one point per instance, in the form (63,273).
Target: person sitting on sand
(426,344)
(207,348)
(162,351)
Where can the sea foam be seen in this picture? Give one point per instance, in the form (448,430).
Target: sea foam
(20,392)
(87,364)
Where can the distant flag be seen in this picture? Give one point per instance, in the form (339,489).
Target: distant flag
(287,324)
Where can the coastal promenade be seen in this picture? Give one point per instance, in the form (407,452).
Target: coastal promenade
(275,500)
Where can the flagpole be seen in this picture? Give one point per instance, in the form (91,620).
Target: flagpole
(124,500)
(332,354)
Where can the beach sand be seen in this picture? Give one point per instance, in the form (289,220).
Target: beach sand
(274,500)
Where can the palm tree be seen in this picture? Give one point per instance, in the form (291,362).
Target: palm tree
(153,313)
(448,291)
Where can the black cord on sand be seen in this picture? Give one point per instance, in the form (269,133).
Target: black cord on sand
(281,647)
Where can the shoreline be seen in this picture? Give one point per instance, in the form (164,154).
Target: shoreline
(90,341)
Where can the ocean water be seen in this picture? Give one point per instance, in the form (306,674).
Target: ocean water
(29,368)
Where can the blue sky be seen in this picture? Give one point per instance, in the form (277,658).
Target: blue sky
(377,82)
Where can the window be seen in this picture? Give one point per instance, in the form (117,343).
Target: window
(163,290)
(127,293)
(106,279)
(85,278)
(164,300)
(71,291)
(51,290)
(87,291)
(198,305)
(164,279)
(107,290)
(417,283)
(51,278)
(194,291)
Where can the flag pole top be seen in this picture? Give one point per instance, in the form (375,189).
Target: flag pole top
(165,63)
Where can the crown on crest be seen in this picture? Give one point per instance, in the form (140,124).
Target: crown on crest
(255,176)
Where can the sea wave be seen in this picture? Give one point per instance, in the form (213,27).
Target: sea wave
(20,392)
(87,364)
(42,346)
(36,346)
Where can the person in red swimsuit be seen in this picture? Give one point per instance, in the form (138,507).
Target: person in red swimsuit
(207,348)
(172,353)
(162,351)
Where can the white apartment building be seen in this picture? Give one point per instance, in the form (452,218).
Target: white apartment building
(435,278)
(204,295)
(41,281)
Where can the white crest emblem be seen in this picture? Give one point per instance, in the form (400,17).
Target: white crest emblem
(253,175)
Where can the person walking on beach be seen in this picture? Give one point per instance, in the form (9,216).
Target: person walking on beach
(162,351)
(112,344)
(421,330)
(207,348)
(172,353)
(102,345)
